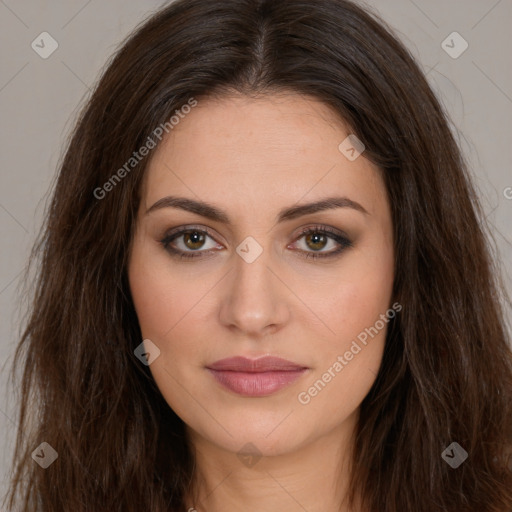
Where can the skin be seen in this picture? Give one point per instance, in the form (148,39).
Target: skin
(251,158)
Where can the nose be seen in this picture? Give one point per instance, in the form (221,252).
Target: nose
(254,299)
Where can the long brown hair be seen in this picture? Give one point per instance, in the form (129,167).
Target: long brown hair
(446,374)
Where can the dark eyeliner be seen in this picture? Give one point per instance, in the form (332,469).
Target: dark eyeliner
(170,237)
(333,234)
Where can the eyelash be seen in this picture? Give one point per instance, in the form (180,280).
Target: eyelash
(342,240)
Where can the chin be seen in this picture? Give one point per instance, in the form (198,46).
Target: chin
(267,434)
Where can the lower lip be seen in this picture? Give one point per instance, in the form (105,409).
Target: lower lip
(256,383)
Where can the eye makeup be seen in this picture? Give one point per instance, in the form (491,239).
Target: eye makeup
(199,234)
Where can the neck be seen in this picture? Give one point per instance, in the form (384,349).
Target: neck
(312,477)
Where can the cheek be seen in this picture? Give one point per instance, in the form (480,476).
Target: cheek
(170,308)
(349,360)
(162,297)
(356,306)
(164,303)
(352,298)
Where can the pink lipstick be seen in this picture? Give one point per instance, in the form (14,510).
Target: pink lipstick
(255,377)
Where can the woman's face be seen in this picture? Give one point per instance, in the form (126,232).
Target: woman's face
(246,172)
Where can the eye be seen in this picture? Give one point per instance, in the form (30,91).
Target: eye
(187,243)
(319,238)
(192,242)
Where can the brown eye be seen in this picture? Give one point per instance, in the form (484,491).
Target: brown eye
(193,243)
(193,239)
(189,243)
(316,241)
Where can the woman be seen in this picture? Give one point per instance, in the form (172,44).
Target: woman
(265,282)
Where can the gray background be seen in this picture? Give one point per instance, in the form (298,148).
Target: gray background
(40,98)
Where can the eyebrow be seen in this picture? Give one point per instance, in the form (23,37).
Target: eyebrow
(213,213)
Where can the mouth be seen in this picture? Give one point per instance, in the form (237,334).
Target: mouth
(256,377)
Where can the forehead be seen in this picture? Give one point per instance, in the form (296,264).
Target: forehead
(245,153)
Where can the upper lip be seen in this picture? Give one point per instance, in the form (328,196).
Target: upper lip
(262,364)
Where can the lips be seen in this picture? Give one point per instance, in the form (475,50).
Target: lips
(263,364)
(255,377)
